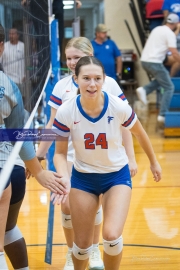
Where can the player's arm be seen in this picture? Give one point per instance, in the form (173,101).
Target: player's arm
(47,179)
(143,139)
(60,163)
(45,145)
(129,147)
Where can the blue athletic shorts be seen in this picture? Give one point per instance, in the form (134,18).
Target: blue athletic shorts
(18,184)
(99,183)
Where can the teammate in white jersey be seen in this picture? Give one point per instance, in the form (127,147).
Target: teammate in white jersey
(11,116)
(63,91)
(95,119)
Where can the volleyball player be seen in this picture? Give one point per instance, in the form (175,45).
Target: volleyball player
(12,116)
(63,91)
(94,119)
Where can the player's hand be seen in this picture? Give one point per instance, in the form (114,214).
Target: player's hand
(28,173)
(52,181)
(60,198)
(156,171)
(132,167)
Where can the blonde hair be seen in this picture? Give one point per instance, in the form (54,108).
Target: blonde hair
(81,43)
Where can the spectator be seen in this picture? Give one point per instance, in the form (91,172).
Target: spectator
(107,52)
(13,59)
(161,40)
(172,6)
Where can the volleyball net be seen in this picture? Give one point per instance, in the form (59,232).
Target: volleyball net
(26,59)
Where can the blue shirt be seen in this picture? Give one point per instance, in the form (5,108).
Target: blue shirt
(107,53)
(173,6)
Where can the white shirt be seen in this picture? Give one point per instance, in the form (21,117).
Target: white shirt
(97,141)
(66,89)
(12,61)
(159,41)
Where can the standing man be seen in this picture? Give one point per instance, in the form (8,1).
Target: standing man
(161,40)
(12,59)
(107,52)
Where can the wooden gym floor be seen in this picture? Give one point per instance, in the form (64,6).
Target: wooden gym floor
(152,230)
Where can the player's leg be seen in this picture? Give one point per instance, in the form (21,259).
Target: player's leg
(84,207)
(4,205)
(14,243)
(95,260)
(116,203)
(67,227)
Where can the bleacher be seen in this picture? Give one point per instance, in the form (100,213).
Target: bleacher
(172,118)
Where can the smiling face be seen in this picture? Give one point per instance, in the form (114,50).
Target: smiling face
(72,57)
(90,80)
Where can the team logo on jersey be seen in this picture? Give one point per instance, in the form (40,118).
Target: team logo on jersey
(107,47)
(110,118)
(2,89)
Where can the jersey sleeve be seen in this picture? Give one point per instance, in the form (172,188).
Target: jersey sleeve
(62,122)
(7,96)
(128,117)
(56,97)
(113,88)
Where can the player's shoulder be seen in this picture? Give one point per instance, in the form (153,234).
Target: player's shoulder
(116,101)
(8,89)
(62,84)
(109,80)
(65,80)
(5,84)
(71,102)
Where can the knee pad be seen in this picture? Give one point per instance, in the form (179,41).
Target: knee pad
(3,264)
(81,254)
(12,236)
(98,218)
(113,247)
(66,221)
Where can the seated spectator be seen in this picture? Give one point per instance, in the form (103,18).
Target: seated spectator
(172,6)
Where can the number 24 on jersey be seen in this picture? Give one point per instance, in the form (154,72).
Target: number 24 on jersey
(90,141)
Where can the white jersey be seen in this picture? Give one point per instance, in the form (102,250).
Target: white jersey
(159,41)
(12,61)
(97,141)
(66,89)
